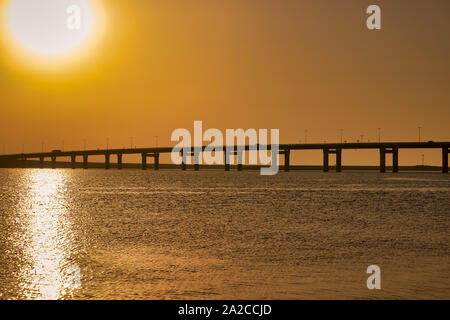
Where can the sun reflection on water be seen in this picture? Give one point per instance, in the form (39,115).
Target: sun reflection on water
(48,237)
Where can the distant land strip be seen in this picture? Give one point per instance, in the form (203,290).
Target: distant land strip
(100,165)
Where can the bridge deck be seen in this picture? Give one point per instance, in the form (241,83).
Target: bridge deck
(312,146)
(283,149)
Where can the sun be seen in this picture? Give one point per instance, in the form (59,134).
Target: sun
(51,28)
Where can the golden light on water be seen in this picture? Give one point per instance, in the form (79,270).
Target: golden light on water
(47,238)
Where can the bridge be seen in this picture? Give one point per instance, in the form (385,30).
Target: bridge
(19,160)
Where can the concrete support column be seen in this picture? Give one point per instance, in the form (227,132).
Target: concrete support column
(395,159)
(183,161)
(287,160)
(73,161)
(325,160)
(144,161)
(107,161)
(226,160)
(119,161)
(445,160)
(382,159)
(41,159)
(339,160)
(196,155)
(85,161)
(156,166)
(240,158)
(53,162)
(196,160)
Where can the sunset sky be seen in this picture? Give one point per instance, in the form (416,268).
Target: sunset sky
(150,67)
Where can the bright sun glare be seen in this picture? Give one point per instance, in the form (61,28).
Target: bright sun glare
(41,26)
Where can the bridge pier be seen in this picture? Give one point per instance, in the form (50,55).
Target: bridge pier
(85,161)
(287,160)
(144,161)
(239,153)
(394,151)
(119,161)
(445,151)
(325,160)
(339,160)
(196,155)
(382,159)
(41,159)
(73,161)
(107,161)
(183,160)
(23,163)
(226,160)
(156,166)
(395,159)
(53,162)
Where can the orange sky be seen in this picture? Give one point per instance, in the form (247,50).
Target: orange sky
(292,65)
